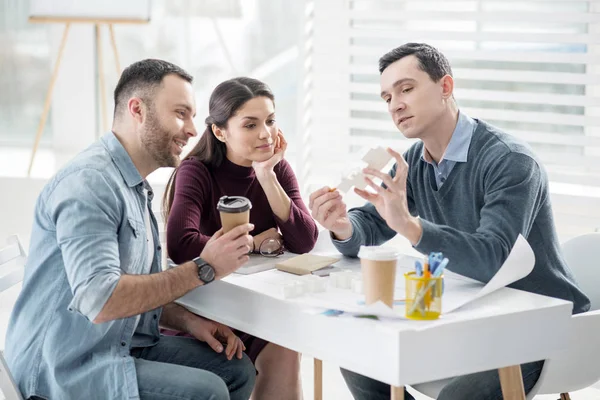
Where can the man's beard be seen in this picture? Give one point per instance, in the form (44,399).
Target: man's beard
(158,141)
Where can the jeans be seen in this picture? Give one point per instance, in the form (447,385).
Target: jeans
(181,368)
(480,386)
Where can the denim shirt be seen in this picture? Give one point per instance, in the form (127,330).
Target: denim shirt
(88,230)
(456,151)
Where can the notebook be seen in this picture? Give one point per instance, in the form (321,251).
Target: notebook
(305,263)
(258,263)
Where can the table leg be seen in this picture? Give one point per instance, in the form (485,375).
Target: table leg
(397,393)
(318,377)
(511,381)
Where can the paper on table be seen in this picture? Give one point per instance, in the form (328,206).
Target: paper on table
(517,266)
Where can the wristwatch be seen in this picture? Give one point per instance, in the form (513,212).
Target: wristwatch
(206,273)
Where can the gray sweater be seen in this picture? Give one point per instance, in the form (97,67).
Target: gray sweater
(477,214)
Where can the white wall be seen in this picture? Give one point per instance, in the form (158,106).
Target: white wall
(73,120)
(17,203)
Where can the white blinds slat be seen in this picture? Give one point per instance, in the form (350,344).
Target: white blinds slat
(535,56)
(495,16)
(517,37)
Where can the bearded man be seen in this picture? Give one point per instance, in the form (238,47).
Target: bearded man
(86,323)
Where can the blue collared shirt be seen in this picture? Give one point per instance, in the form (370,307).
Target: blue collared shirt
(457,150)
(88,230)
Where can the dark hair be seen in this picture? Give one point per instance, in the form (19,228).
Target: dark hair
(431,60)
(142,78)
(227,98)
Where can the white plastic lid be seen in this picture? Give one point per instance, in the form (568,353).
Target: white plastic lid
(378,253)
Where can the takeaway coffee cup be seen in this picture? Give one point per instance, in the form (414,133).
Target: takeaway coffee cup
(378,265)
(234,210)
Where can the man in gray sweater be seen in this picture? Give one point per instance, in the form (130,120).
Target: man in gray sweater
(466,189)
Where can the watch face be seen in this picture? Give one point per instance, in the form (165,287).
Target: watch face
(207,273)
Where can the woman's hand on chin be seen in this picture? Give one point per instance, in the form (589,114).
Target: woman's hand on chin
(264,169)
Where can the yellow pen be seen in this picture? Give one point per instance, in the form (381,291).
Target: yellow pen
(427,277)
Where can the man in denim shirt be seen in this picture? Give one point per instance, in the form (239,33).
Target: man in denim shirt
(86,324)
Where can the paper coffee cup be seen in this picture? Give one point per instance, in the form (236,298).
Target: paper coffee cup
(234,210)
(378,265)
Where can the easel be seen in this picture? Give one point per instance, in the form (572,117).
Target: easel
(99,65)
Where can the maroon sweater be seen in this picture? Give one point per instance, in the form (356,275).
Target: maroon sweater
(194,217)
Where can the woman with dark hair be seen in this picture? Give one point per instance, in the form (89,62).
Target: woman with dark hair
(241,153)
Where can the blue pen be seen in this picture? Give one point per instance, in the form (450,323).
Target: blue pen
(440,268)
(433,264)
(418,268)
(434,261)
(439,271)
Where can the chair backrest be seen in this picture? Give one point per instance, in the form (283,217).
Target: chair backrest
(12,266)
(578,366)
(12,263)
(7,384)
(580,254)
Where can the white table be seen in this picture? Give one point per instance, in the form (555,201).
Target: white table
(504,329)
